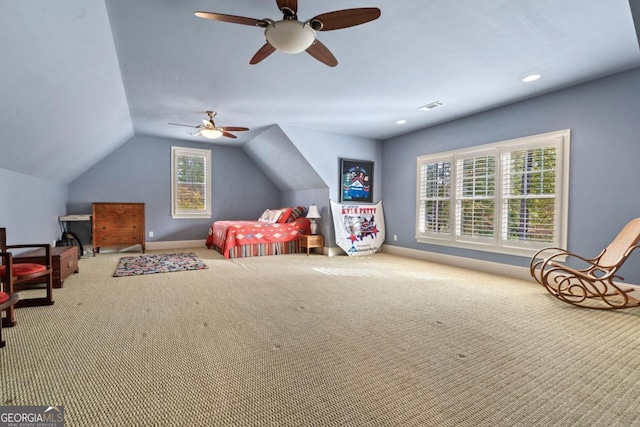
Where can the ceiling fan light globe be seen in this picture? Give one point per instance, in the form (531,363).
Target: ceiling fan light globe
(211,133)
(290,36)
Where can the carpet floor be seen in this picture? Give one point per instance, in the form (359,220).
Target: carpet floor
(298,340)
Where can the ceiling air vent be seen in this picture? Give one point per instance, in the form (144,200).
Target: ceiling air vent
(431,106)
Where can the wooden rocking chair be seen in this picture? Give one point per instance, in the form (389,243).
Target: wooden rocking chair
(595,284)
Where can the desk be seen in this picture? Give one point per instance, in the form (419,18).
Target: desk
(64,225)
(310,241)
(66,218)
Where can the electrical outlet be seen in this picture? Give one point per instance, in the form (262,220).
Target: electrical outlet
(395,237)
(151,234)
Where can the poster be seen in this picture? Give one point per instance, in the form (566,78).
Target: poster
(359,228)
(356,181)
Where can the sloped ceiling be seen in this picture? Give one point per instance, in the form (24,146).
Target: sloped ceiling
(79,77)
(63,103)
(281,161)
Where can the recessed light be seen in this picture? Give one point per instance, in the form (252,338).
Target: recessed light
(431,106)
(401,122)
(531,78)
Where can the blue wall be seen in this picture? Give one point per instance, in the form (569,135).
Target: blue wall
(603,115)
(140,171)
(323,151)
(604,118)
(30,208)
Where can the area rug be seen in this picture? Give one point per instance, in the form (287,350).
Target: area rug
(162,263)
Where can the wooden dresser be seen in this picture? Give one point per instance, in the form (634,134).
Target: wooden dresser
(118,224)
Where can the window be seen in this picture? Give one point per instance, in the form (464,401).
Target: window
(508,197)
(190,183)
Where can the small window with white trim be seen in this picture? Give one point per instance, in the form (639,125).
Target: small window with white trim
(508,197)
(190,183)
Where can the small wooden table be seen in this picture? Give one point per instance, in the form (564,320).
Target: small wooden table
(310,241)
(64,261)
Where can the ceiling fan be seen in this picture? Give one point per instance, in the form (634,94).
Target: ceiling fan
(292,36)
(209,129)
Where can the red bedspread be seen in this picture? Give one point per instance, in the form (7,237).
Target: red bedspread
(228,234)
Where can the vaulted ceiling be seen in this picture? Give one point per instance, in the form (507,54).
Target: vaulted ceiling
(80,77)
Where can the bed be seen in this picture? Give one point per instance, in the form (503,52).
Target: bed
(276,232)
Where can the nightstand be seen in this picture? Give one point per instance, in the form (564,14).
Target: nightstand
(310,241)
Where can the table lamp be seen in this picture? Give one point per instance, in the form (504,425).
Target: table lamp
(313,213)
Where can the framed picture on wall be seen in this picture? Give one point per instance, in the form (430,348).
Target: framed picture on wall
(356,181)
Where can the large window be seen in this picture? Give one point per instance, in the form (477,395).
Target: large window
(508,197)
(190,183)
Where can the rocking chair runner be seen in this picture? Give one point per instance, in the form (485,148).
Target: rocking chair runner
(596,284)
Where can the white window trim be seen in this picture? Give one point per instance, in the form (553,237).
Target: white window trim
(496,244)
(193,214)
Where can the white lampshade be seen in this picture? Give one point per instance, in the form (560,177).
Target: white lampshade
(313,212)
(290,36)
(211,133)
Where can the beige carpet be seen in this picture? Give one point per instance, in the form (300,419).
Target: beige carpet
(300,340)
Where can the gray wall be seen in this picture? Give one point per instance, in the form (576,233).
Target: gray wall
(604,118)
(140,171)
(323,151)
(313,197)
(603,115)
(30,207)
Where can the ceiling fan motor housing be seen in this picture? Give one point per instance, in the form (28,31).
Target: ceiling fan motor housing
(290,36)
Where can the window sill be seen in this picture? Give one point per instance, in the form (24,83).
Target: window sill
(191,216)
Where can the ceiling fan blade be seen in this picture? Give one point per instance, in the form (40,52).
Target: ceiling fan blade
(232,19)
(262,53)
(291,4)
(229,135)
(189,126)
(232,129)
(322,54)
(344,18)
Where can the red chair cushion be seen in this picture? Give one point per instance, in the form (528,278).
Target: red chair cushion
(23,269)
(3,297)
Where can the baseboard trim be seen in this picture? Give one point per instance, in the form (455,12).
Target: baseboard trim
(175,244)
(513,271)
(516,272)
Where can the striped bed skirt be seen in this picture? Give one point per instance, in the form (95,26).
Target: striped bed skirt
(263,249)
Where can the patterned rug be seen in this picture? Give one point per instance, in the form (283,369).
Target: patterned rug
(163,263)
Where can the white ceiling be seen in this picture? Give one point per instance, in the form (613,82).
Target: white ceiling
(64,79)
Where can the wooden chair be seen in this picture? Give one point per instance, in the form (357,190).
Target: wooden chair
(13,276)
(6,301)
(595,282)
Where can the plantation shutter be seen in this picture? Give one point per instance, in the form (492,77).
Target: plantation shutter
(191,186)
(191,182)
(435,192)
(529,188)
(476,195)
(508,197)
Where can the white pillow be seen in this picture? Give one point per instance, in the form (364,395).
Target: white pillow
(265,215)
(270,216)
